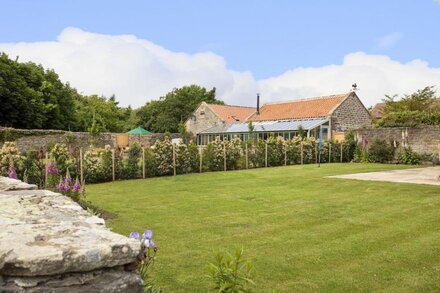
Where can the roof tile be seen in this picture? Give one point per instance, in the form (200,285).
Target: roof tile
(231,114)
(299,109)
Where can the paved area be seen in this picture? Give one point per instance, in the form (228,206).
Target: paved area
(429,175)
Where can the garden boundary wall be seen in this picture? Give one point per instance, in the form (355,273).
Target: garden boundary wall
(34,139)
(50,244)
(422,140)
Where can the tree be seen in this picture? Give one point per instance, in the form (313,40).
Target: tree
(165,114)
(419,108)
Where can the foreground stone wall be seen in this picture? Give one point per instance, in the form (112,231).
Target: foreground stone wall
(48,243)
(423,140)
(30,139)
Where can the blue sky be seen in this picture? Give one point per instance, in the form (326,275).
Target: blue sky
(264,38)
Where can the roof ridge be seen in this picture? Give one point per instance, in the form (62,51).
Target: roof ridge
(247,107)
(307,99)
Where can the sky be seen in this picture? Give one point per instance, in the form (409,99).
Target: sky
(284,50)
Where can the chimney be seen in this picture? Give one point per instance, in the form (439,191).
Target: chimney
(258,104)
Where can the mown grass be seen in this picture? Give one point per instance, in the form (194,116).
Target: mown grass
(303,232)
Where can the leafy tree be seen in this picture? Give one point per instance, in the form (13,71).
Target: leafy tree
(419,108)
(165,114)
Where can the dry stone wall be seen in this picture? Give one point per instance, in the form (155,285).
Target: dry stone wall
(423,140)
(48,243)
(30,139)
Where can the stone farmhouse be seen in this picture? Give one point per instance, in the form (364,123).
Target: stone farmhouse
(327,117)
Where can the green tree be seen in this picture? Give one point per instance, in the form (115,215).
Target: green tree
(165,114)
(419,108)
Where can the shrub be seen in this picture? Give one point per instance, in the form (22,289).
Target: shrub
(233,153)
(9,154)
(309,150)
(163,151)
(256,154)
(132,167)
(98,164)
(61,157)
(194,157)
(150,163)
(34,168)
(183,159)
(380,151)
(213,156)
(293,150)
(408,157)
(275,151)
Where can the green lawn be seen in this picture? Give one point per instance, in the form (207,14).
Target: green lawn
(302,231)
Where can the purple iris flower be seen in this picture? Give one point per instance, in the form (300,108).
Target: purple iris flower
(134,235)
(148,234)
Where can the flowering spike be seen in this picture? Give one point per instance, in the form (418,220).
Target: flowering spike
(12,173)
(77,185)
(68,180)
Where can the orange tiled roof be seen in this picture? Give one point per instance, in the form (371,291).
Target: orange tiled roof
(299,109)
(231,114)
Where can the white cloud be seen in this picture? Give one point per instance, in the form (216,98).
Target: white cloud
(437,1)
(137,71)
(388,41)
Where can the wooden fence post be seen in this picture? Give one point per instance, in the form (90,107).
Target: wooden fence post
(174,159)
(246,151)
(329,152)
(266,155)
(143,163)
(81,165)
(224,155)
(316,153)
(302,153)
(47,165)
(113,164)
(341,151)
(201,158)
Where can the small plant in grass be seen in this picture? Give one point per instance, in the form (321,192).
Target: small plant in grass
(147,259)
(231,273)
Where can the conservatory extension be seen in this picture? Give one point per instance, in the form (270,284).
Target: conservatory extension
(264,129)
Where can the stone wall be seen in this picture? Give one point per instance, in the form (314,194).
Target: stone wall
(423,140)
(351,114)
(35,139)
(201,119)
(50,244)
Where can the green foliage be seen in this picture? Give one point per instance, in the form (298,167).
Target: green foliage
(194,155)
(233,153)
(34,168)
(231,273)
(408,157)
(275,151)
(150,163)
(33,97)
(165,114)
(380,151)
(62,158)
(419,108)
(163,151)
(98,165)
(213,155)
(183,159)
(132,166)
